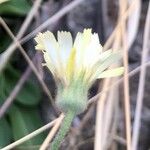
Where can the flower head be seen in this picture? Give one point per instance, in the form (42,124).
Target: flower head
(68,61)
(76,64)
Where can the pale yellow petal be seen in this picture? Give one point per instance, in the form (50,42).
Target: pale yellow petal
(48,44)
(81,42)
(39,41)
(92,51)
(49,64)
(112,73)
(2,1)
(105,55)
(65,44)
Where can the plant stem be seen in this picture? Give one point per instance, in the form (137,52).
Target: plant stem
(63,130)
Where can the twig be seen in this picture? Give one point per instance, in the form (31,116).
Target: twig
(33,134)
(139,103)
(51,134)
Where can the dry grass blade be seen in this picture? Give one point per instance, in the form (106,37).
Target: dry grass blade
(127,101)
(33,134)
(51,134)
(125,15)
(138,110)
(102,136)
(112,99)
(123,7)
(133,23)
(99,117)
(109,116)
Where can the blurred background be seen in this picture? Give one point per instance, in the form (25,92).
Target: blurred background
(118,118)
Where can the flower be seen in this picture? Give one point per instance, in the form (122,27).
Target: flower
(76,64)
(67,60)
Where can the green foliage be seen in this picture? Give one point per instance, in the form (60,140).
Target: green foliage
(15,7)
(22,117)
(73,97)
(5,133)
(29,94)
(24,121)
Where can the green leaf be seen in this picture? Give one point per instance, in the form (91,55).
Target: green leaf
(24,121)
(5,133)
(29,94)
(15,7)
(112,73)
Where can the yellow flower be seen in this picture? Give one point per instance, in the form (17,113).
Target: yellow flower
(68,61)
(75,65)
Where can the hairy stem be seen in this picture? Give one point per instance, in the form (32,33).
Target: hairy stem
(63,130)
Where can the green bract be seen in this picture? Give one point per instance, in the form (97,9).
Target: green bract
(72,97)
